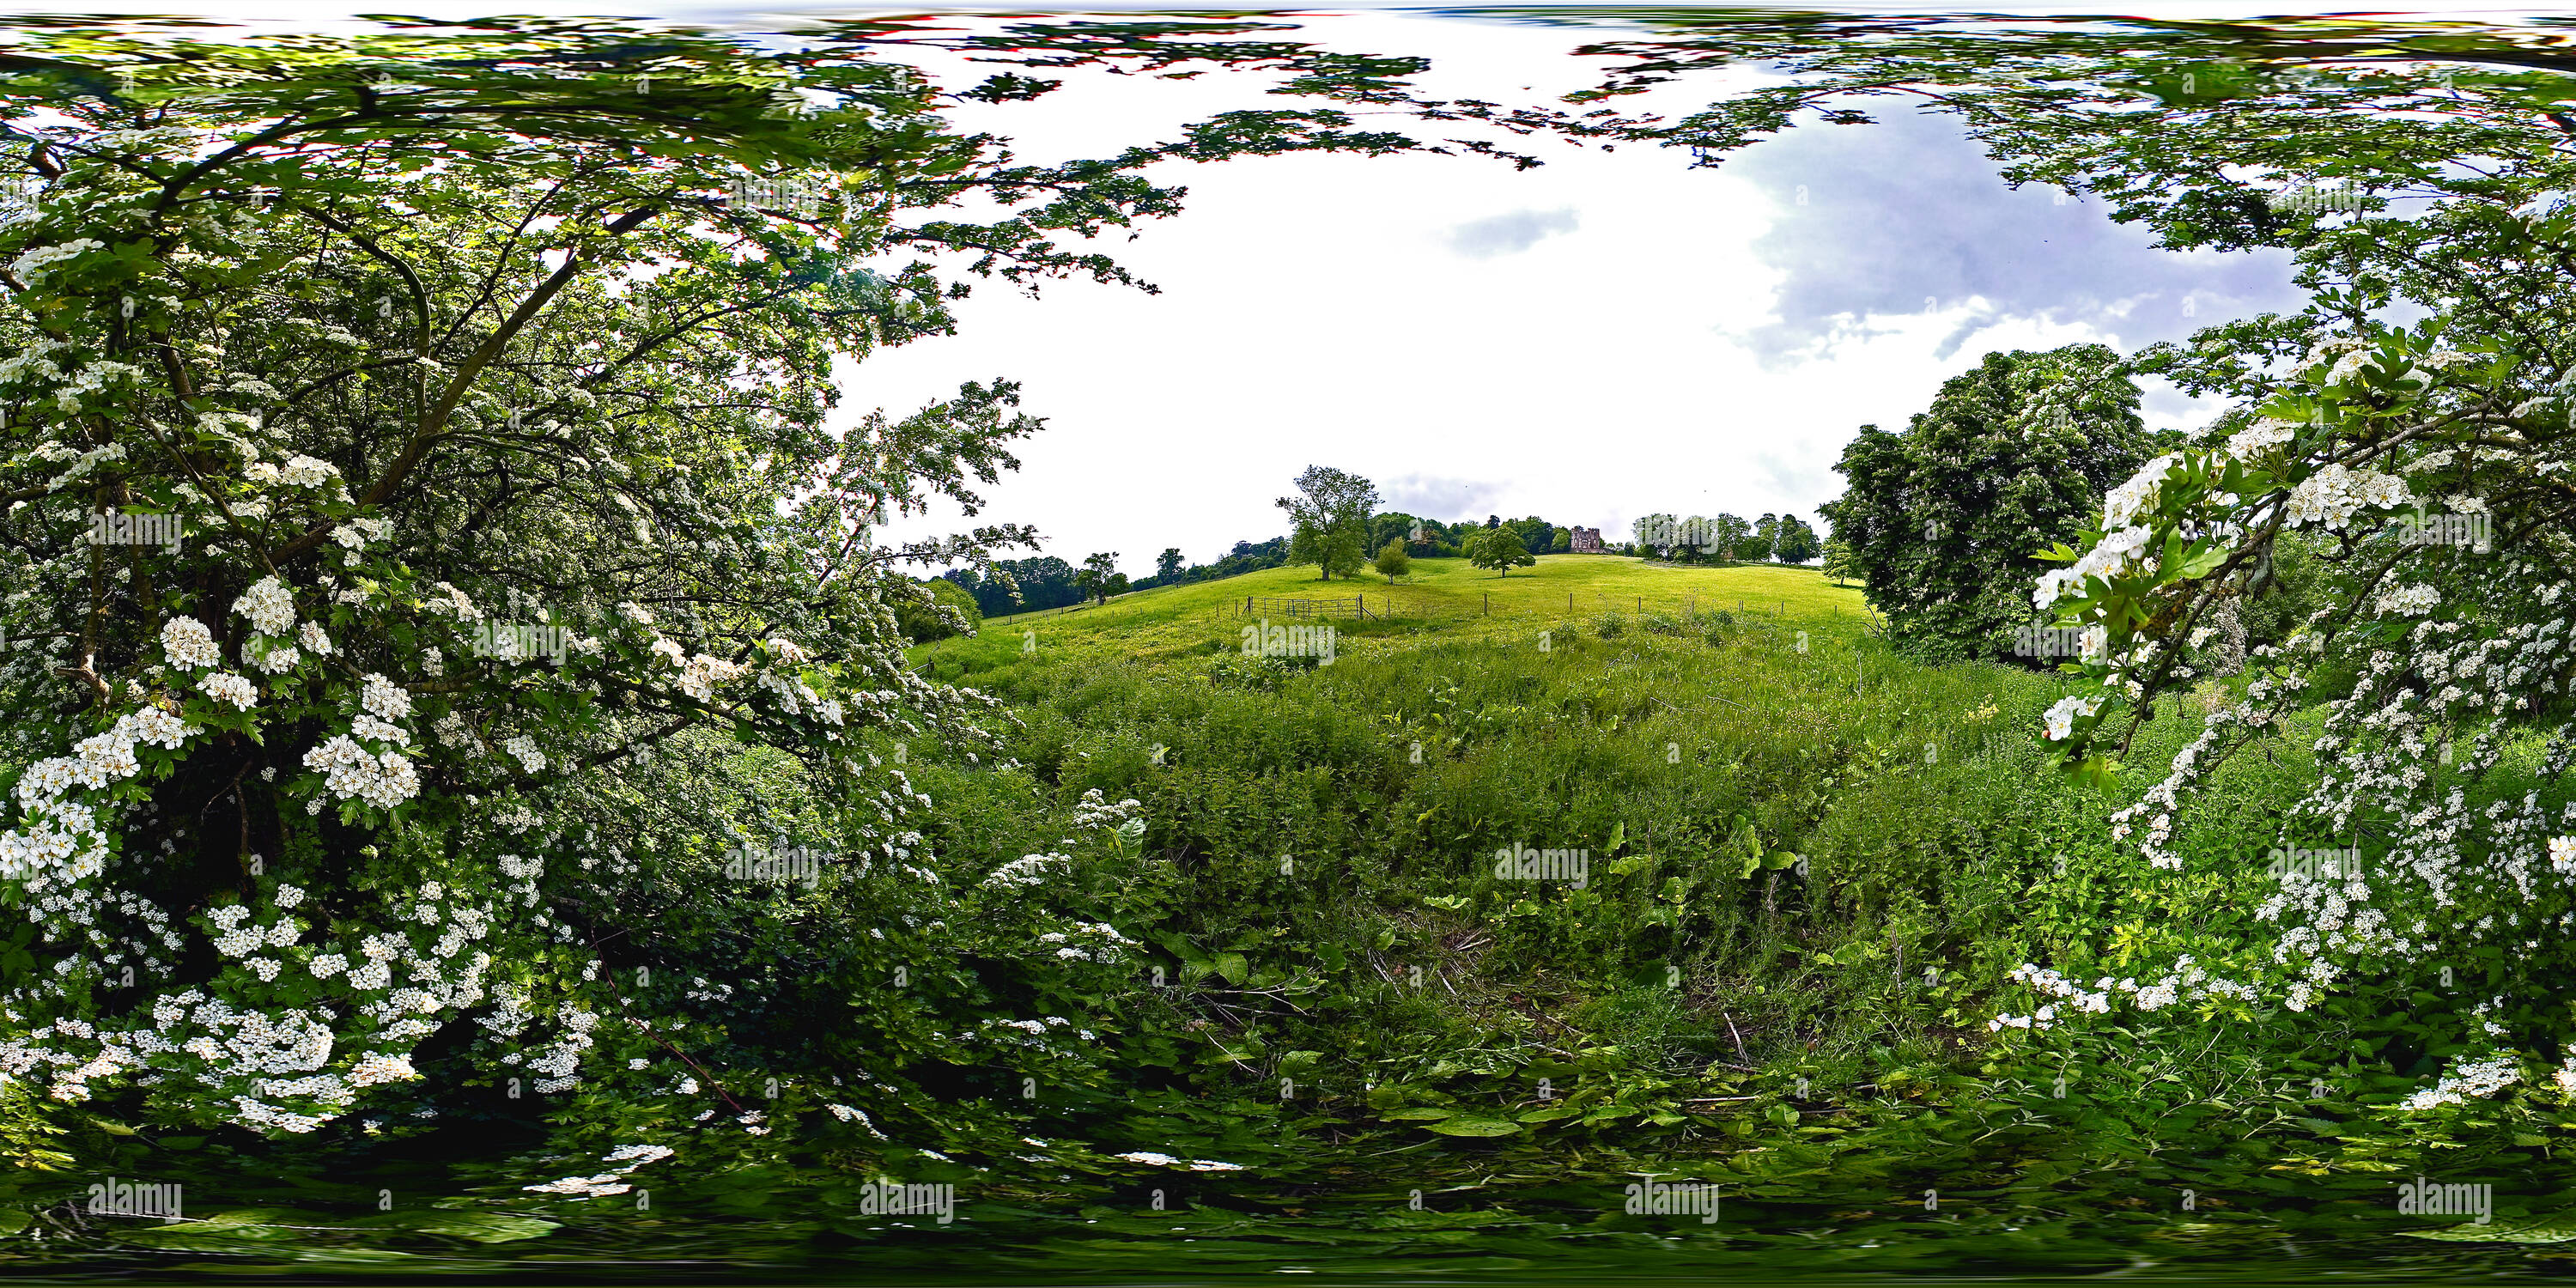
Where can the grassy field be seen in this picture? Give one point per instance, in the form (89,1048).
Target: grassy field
(1813,867)
(1442,595)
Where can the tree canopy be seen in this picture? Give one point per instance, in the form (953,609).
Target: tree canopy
(486,372)
(1946,520)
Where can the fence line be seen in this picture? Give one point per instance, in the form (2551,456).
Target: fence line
(1386,607)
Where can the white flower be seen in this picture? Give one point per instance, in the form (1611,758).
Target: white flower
(224,686)
(384,699)
(275,661)
(384,781)
(2330,496)
(188,645)
(375,1067)
(313,640)
(35,262)
(524,748)
(2409,601)
(306,471)
(2136,496)
(269,606)
(2061,717)
(2562,853)
(2261,435)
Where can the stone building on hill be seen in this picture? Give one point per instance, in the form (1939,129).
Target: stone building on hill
(1587,541)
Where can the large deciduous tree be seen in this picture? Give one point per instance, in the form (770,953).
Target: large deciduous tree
(1948,518)
(1499,548)
(1331,513)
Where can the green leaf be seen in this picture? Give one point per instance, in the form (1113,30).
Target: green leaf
(1478,1126)
(1232,968)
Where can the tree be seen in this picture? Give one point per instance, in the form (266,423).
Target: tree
(1727,535)
(1393,560)
(1535,533)
(1098,572)
(1796,542)
(490,389)
(1654,534)
(1026,585)
(1946,520)
(1331,514)
(1500,548)
(1761,541)
(1167,565)
(1839,563)
(2339,424)
(1562,542)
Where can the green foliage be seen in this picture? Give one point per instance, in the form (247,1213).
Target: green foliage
(1840,564)
(1499,548)
(1100,578)
(1796,542)
(1393,560)
(923,623)
(1946,520)
(1331,518)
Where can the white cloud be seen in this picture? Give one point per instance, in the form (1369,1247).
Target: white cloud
(1508,234)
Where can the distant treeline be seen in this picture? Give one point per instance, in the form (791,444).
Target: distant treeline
(1048,582)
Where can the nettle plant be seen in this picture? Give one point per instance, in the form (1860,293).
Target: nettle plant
(486,374)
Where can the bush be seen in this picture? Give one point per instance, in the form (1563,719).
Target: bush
(922,623)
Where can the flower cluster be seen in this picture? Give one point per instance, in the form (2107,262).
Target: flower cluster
(383,780)
(188,645)
(268,604)
(2331,496)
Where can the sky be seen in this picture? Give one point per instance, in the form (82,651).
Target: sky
(1603,337)
(1609,335)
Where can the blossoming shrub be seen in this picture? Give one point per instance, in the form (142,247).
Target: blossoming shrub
(518,581)
(2418,465)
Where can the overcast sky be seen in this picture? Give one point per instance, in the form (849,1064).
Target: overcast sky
(1606,336)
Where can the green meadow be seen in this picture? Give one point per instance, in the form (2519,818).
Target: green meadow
(1809,869)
